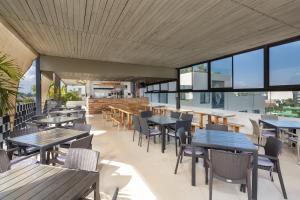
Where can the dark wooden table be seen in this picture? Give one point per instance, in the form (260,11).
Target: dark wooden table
(211,139)
(56,120)
(278,124)
(47,139)
(37,182)
(163,122)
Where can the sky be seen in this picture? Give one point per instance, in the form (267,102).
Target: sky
(28,80)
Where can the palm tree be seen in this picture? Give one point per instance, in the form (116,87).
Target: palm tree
(9,77)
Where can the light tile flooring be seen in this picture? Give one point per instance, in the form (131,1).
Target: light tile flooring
(149,176)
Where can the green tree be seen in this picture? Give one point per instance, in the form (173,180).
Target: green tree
(9,78)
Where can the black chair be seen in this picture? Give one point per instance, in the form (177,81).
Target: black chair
(147,131)
(186,117)
(217,127)
(231,168)
(173,133)
(146,114)
(187,149)
(175,115)
(270,161)
(136,125)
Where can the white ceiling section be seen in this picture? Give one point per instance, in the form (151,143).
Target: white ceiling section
(169,33)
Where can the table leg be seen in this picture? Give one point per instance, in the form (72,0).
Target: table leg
(209,119)
(42,156)
(97,192)
(122,118)
(201,121)
(225,121)
(163,135)
(193,167)
(254,177)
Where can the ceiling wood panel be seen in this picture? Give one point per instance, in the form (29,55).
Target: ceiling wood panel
(149,32)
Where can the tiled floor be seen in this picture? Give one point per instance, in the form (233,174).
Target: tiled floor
(148,176)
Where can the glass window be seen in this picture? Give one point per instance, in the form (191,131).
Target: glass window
(164,86)
(163,98)
(285,64)
(248,70)
(156,87)
(204,97)
(200,78)
(186,78)
(27,86)
(172,86)
(186,98)
(172,98)
(150,88)
(221,73)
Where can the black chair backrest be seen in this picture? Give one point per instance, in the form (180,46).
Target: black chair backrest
(230,166)
(136,123)
(187,117)
(217,127)
(4,161)
(84,143)
(273,147)
(182,124)
(175,115)
(82,127)
(181,134)
(144,126)
(146,114)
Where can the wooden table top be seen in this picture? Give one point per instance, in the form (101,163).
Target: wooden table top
(222,115)
(48,138)
(37,182)
(56,120)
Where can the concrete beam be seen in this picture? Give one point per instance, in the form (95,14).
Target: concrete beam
(70,68)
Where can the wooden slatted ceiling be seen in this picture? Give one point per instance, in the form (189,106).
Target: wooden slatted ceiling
(169,33)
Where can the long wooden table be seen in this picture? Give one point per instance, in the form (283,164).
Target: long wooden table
(44,140)
(38,181)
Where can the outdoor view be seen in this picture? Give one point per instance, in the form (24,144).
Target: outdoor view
(27,87)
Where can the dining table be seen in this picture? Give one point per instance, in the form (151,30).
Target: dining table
(37,181)
(281,124)
(66,112)
(163,122)
(57,121)
(228,141)
(46,139)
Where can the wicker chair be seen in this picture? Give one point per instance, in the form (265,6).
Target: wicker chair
(6,163)
(147,131)
(146,114)
(217,127)
(231,168)
(136,125)
(173,133)
(187,149)
(83,159)
(261,133)
(270,161)
(175,115)
(82,143)
(294,138)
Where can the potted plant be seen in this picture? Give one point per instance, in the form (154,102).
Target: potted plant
(9,77)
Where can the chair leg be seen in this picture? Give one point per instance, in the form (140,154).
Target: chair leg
(154,139)
(148,144)
(176,151)
(271,175)
(298,153)
(210,185)
(249,189)
(179,157)
(133,135)
(281,180)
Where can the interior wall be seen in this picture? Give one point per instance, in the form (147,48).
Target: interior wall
(16,49)
(45,83)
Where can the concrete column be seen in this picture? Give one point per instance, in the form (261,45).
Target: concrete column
(178,90)
(38,98)
(56,81)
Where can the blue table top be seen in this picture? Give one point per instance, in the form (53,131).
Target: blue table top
(282,123)
(222,140)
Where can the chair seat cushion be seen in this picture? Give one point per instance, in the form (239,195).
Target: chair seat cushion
(266,133)
(189,150)
(265,162)
(155,132)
